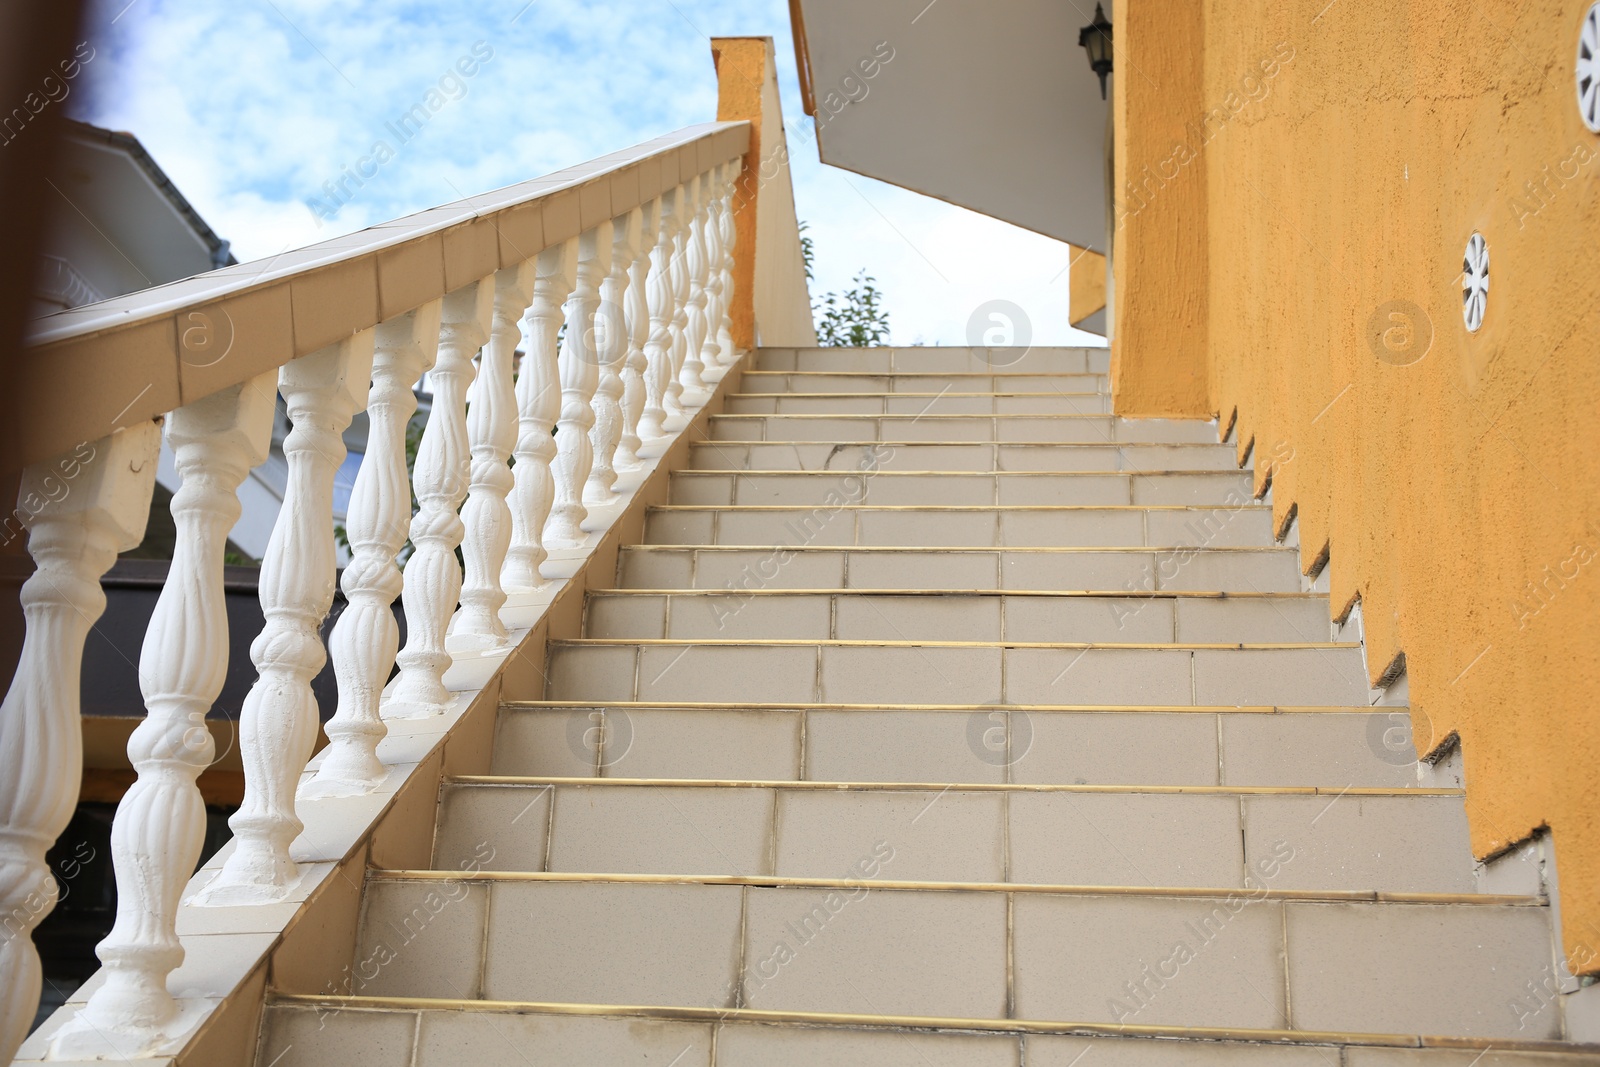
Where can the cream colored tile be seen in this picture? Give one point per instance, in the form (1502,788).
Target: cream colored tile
(876,952)
(1076,571)
(775,568)
(948,404)
(819,526)
(678,528)
(1399,844)
(1072,529)
(1105,619)
(613,943)
(784,1046)
(1205,620)
(917,618)
(1126,839)
(876,674)
(506,1039)
(1058,458)
(1097,676)
(661,830)
(1213,527)
(1212,487)
(830,405)
(1177,457)
(1066,429)
(1443,1057)
(702,488)
(1051,1051)
(1418,968)
(1078,490)
(656,569)
(1150,961)
(591,672)
(556,742)
(724,456)
(922,835)
(492,828)
(905,746)
(930,490)
(1166,431)
(1280,676)
(769,674)
(1229,570)
(420,939)
(932,428)
(1114,748)
(922,570)
(924,529)
(1365,748)
(731,616)
(703,743)
(1054,404)
(313,1037)
(630,617)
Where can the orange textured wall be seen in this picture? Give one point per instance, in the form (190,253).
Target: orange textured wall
(1450,476)
(1086,284)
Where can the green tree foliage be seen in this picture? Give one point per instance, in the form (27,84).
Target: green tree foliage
(853,318)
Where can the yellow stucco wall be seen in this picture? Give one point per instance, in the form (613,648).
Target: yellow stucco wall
(1086,284)
(1451,477)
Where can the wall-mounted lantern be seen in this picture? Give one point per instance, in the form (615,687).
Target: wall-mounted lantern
(1095,39)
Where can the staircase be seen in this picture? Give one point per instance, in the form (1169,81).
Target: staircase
(944,718)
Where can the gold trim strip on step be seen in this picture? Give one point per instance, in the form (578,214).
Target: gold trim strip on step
(909,396)
(879,472)
(1261,508)
(811,642)
(1314,896)
(521,780)
(1109,595)
(924,1022)
(930,374)
(986,444)
(1066,709)
(954,415)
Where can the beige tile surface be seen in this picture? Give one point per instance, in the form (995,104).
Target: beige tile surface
(770,674)
(917,618)
(1102,619)
(881,952)
(805,526)
(957,529)
(1114,748)
(733,616)
(935,837)
(420,939)
(1067,529)
(1215,527)
(874,674)
(903,746)
(492,828)
(661,830)
(1097,676)
(504,1039)
(1125,839)
(1308,676)
(743,1045)
(1051,1051)
(1364,748)
(703,743)
(609,943)
(1085,958)
(540,741)
(1399,844)
(922,570)
(625,616)
(1417,968)
(768,569)
(592,672)
(310,1037)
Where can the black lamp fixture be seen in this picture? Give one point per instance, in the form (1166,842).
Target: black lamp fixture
(1095,39)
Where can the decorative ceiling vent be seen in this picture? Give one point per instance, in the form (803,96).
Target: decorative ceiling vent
(1588,68)
(1475,281)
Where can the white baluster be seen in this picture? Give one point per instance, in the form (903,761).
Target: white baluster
(492,426)
(278,723)
(636,310)
(443,472)
(712,368)
(694,327)
(658,337)
(611,348)
(678,275)
(160,825)
(80,511)
(574,454)
(538,407)
(730,236)
(365,638)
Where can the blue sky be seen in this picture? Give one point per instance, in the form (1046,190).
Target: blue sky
(252,106)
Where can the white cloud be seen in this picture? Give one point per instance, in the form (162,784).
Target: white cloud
(252,107)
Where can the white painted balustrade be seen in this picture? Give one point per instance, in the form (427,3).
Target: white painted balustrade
(512,456)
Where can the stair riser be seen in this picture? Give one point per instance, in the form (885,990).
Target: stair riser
(1356,843)
(1107,528)
(1206,570)
(899,489)
(1332,749)
(948,404)
(876,674)
(958,618)
(1447,969)
(1032,361)
(1079,429)
(979,457)
(779,382)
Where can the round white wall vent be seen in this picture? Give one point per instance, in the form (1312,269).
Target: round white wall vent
(1587,69)
(1475,281)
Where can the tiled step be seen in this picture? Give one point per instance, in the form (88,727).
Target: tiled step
(961,615)
(941,402)
(848,458)
(1269,960)
(1062,429)
(1216,837)
(963,527)
(312,1032)
(1041,744)
(1229,570)
(866,672)
(760,381)
(960,488)
(1032,361)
